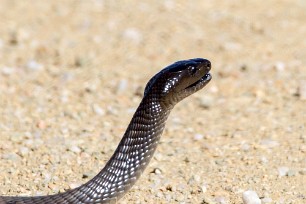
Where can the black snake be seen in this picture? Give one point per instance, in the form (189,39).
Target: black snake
(136,148)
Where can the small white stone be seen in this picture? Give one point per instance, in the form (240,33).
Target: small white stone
(250,197)
(206,101)
(74,185)
(245,146)
(123,84)
(98,110)
(158,156)
(204,188)
(264,159)
(267,200)
(24,150)
(213,89)
(65,94)
(280,66)
(268,143)
(133,34)
(112,110)
(48,177)
(198,137)
(157,171)
(34,66)
(7,70)
(231,46)
(75,149)
(221,200)
(283,171)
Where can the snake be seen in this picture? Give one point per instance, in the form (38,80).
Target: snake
(138,144)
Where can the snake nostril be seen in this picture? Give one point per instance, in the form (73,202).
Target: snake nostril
(208,64)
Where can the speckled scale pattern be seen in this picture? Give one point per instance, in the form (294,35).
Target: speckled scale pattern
(126,165)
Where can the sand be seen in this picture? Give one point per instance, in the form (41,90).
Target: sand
(72,74)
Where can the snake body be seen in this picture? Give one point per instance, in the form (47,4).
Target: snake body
(136,148)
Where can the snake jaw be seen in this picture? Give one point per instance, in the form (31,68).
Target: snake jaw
(200,83)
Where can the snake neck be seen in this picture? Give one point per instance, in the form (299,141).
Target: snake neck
(134,151)
(131,157)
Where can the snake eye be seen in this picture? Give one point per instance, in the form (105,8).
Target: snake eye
(192,70)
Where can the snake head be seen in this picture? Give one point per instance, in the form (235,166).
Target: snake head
(179,80)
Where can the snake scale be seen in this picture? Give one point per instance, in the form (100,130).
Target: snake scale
(136,148)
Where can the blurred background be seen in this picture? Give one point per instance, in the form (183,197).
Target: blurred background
(72,74)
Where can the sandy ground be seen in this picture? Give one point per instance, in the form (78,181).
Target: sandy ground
(72,74)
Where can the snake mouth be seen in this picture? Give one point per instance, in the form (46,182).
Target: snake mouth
(199,83)
(203,80)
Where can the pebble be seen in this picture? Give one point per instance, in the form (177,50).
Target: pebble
(221,200)
(213,89)
(280,66)
(112,110)
(268,143)
(257,27)
(198,137)
(291,173)
(75,149)
(267,200)
(302,90)
(180,197)
(80,61)
(74,185)
(245,147)
(206,101)
(53,186)
(303,138)
(264,159)
(170,188)
(13,39)
(23,150)
(131,110)
(64,96)
(16,138)
(41,124)
(133,34)
(250,197)
(157,171)
(48,177)
(158,156)
(32,65)
(122,86)
(232,46)
(303,171)
(11,156)
(98,110)
(7,70)
(283,171)
(204,188)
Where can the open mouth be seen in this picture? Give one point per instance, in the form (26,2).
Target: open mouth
(201,82)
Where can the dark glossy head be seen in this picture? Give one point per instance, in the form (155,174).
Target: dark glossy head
(179,80)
